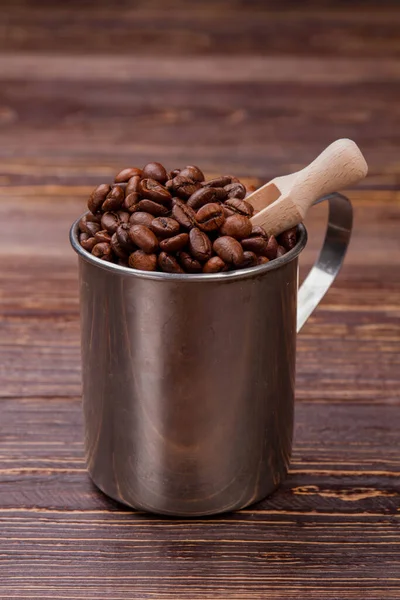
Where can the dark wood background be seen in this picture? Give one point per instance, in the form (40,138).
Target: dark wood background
(255,88)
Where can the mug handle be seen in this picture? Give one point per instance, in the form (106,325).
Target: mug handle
(329,262)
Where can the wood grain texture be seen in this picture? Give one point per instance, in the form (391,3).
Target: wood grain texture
(249,87)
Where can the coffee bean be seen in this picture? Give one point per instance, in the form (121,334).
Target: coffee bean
(124,238)
(156,171)
(87,241)
(210,217)
(133,185)
(228,212)
(280,251)
(168,263)
(117,248)
(183,187)
(258,231)
(189,264)
(173,174)
(155,209)
(92,228)
(237,226)
(97,197)
(141,218)
(102,236)
(272,248)
(130,201)
(152,189)
(174,244)
(103,251)
(229,250)
(258,245)
(193,172)
(241,207)
(165,227)
(262,260)
(144,238)
(90,217)
(142,261)
(215,265)
(182,213)
(219,182)
(235,190)
(114,199)
(199,245)
(288,238)
(123,216)
(249,260)
(201,197)
(126,174)
(110,221)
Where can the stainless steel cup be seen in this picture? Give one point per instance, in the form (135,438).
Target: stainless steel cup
(188,380)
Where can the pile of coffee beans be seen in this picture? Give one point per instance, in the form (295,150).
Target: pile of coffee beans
(177,222)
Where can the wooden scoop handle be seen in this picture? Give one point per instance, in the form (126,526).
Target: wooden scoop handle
(340,165)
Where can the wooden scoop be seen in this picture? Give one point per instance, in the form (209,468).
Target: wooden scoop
(283,202)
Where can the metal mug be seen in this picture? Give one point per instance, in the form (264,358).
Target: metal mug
(188,380)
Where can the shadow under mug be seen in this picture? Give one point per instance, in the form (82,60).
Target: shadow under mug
(188,380)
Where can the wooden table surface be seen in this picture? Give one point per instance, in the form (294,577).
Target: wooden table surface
(256,89)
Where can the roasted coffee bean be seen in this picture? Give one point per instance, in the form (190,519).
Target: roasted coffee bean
(114,199)
(155,209)
(110,221)
(117,248)
(280,251)
(258,245)
(93,218)
(189,264)
(173,174)
(237,226)
(229,250)
(215,265)
(228,212)
(156,171)
(258,231)
(210,217)
(272,248)
(123,216)
(235,190)
(165,227)
(168,263)
(97,197)
(182,213)
(103,251)
(141,218)
(130,201)
(144,238)
(87,241)
(193,172)
(126,174)
(102,236)
(86,225)
(241,207)
(183,187)
(249,260)
(174,244)
(219,182)
(133,185)
(152,189)
(124,238)
(199,245)
(144,262)
(288,238)
(262,260)
(201,197)
(220,193)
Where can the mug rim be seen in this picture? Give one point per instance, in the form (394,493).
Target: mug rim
(190,277)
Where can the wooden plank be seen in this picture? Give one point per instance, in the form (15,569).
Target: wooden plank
(222,27)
